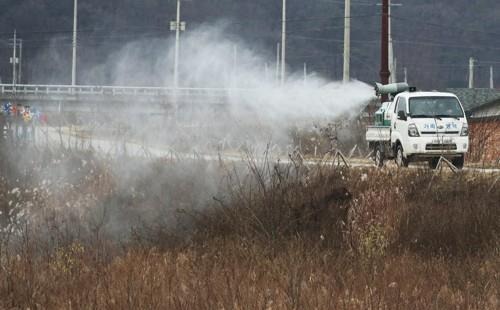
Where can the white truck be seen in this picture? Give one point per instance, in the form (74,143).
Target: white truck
(418,126)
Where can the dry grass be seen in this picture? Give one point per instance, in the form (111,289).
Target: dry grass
(84,232)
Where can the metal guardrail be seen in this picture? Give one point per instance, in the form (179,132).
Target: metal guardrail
(47,90)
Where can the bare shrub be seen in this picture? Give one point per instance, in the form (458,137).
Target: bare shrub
(484,141)
(190,234)
(457,217)
(276,202)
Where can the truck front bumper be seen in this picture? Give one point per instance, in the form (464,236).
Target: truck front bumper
(426,147)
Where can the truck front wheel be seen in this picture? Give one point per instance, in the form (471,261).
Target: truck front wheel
(401,161)
(379,156)
(433,162)
(458,162)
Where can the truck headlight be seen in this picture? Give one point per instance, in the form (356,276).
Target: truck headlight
(465,130)
(413,131)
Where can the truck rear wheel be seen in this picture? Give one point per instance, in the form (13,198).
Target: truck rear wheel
(401,161)
(379,156)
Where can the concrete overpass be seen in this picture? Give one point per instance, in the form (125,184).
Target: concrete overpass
(89,98)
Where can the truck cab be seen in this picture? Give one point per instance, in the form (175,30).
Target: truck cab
(424,126)
(428,125)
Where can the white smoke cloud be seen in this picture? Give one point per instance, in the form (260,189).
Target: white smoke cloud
(258,108)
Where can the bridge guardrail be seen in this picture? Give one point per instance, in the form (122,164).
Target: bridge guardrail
(25,89)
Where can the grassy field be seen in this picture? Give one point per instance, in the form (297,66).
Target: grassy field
(82,231)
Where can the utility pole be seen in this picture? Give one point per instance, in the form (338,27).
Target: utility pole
(177,26)
(492,85)
(283,43)
(394,72)
(406,74)
(471,72)
(235,64)
(347,41)
(278,63)
(392,59)
(177,39)
(392,78)
(384,52)
(235,56)
(305,72)
(391,49)
(75,25)
(14,58)
(20,75)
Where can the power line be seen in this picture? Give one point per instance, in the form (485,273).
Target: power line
(316,56)
(438,44)
(68,43)
(34,32)
(155,35)
(317,29)
(353,3)
(441,65)
(165,28)
(84,41)
(445,26)
(134,33)
(488,62)
(333,40)
(330,18)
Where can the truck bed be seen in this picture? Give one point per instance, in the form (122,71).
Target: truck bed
(378,133)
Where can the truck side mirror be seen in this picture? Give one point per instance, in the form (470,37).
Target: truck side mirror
(402,115)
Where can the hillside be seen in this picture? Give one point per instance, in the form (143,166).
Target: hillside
(433,39)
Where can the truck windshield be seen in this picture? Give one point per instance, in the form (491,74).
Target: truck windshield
(435,107)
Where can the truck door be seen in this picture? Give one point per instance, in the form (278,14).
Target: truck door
(400,124)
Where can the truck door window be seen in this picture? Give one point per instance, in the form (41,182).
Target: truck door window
(401,105)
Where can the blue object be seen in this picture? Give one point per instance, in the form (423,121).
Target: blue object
(6,108)
(35,114)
